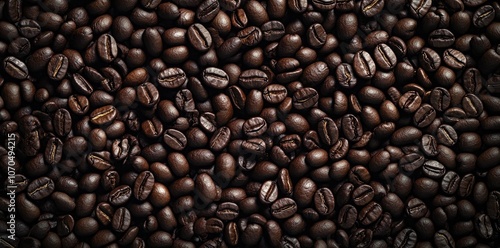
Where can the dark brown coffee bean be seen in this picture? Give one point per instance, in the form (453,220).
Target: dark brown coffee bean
(121,220)
(227,211)
(446,135)
(283,208)
(220,139)
(40,188)
(274,93)
(305,98)
(328,131)
(199,37)
(107,48)
(62,122)
(15,68)
(172,78)
(352,128)
(410,101)
(324,201)
(364,65)
(454,59)
(345,76)
(253,79)
(272,30)
(57,67)
(120,195)
(268,192)
(53,151)
(433,169)
(347,216)
(385,57)
(472,105)
(419,8)
(483,16)
(441,38)
(424,115)
(143,185)
(450,182)
(103,115)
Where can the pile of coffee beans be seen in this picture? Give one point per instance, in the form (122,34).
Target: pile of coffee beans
(249,123)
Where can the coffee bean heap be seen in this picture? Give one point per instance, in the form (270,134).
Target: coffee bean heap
(247,123)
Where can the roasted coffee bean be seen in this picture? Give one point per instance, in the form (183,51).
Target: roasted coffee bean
(454,59)
(446,135)
(305,98)
(283,208)
(107,48)
(15,68)
(40,188)
(215,78)
(429,59)
(345,76)
(227,211)
(103,115)
(385,57)
(328,131)
(440,98)
(143,185)
(424,115)
(62,122)
(253,79)
(364,65)
(483,16)
(53,151)
(120,195)
(254,127)
(57,67)
(172,78)
(410,101)
(268,192)
(406,238)
(433,169)
(121,220)
(199,37)
(441,38)
(352,128)
(273,93)
(324,201)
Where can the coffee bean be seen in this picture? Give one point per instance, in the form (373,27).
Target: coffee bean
(199,37)
(253,79)
(121,220)
(305,98)
(441,38)
(324,201)
(272,30)
(443,238)
(268,192)
(215,78)
(433,169)
(420,7)
(172,78)
(143,185)
(345,76)
(254,127)
(57,67)
(227,211)
(107,48)
(429,59)
(446,135)
(120,195)
(385,57)
(364,65)
(483,16)
(274,93)
(103,115)
(15,68)
(40,188)
(410,101)
(406,238)
(283,208)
